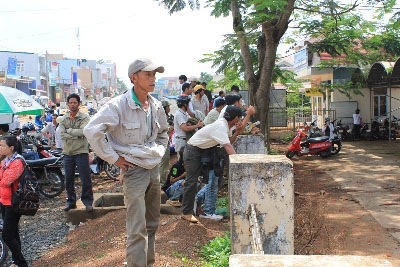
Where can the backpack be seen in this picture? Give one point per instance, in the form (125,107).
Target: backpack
(25,200)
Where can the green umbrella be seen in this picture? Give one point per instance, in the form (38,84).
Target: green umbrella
(14,101)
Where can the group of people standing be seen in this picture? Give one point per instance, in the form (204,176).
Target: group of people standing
(76,149)
(131,131)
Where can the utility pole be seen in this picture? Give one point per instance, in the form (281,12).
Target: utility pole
(46,69)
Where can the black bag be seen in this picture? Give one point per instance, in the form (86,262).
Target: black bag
(25,200)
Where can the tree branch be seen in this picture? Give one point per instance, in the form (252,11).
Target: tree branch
(241,35)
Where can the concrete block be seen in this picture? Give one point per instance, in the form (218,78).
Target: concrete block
(306,261)
(102,204)
(267,182)
(250,144)
(106,202)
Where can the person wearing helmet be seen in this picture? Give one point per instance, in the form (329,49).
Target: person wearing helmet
(203,141)
(26,137)
(327,130)
(167,110)
(181,126)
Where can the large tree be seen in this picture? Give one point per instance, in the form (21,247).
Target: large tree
(260,25)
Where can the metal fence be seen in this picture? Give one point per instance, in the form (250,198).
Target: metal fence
(288,119)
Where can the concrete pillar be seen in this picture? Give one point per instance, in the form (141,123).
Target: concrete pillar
(267,182)
(250,144)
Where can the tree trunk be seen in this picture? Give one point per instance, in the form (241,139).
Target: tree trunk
(260,84)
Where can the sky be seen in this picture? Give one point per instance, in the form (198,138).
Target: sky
(119,31)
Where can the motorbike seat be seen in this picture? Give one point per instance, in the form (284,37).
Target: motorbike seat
(45,147)
(319,139)
(42,162)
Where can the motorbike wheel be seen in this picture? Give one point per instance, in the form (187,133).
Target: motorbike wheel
(52,185)
(112,171)
(326,153)
(290,154)
(336,146)
(3,251)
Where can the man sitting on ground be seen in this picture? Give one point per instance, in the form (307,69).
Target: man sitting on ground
(173,186)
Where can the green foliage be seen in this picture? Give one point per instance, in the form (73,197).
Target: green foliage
(208,78)
(222,202)
(217,252)
(184,259)
(287,138)
(121,85)
(273,152)
(348,88)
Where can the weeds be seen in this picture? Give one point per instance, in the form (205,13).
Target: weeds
(273,152)
(217,252)
(222,206)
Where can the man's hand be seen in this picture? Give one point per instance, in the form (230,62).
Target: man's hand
(255,130)
(251,111)
(123,164)
(240,127)
(200,124)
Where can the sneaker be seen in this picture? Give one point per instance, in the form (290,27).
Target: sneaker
(211,216)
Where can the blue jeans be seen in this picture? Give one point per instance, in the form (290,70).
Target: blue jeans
(208,194)
(175,191)
(82,162)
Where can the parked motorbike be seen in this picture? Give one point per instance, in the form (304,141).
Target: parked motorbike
(49,172)
(3,246)
(312,129)
(42,150)
(344,131)
(321,146)
(97,165)
(380,130)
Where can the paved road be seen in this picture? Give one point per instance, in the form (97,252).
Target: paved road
(370,172)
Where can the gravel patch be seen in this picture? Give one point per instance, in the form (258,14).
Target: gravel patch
(48,228)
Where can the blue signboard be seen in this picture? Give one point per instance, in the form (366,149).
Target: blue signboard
(12,66)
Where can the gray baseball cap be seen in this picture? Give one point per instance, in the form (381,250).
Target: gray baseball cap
(145,65)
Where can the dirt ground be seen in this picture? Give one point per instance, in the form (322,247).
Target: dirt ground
(328,220)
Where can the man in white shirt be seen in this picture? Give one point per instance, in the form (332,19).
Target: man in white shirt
(50,129)
(217,133)
(180,124)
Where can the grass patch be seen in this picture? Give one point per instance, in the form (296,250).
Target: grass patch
(217,252)
(222,206)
